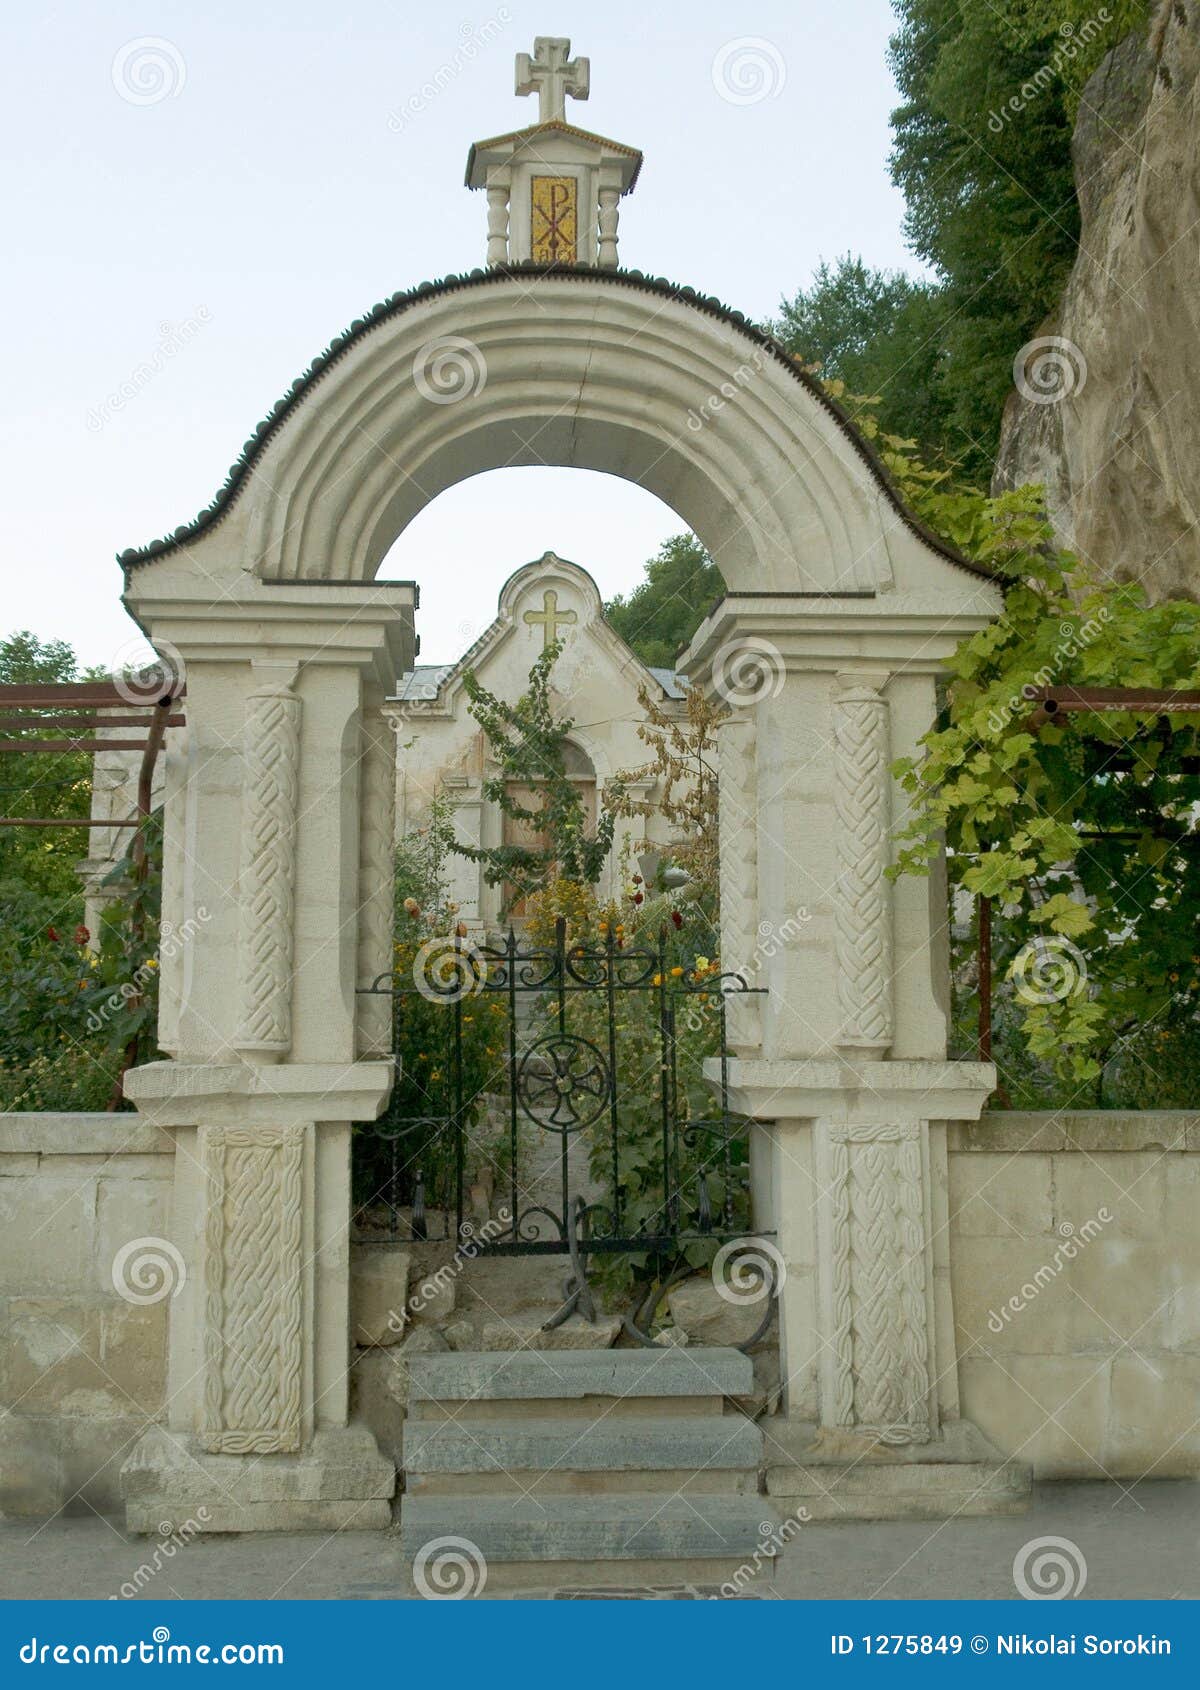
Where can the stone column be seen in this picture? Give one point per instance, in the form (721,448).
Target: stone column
(606,247)
(279,827)
(499,185)
(848,1081)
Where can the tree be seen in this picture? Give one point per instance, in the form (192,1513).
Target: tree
(662,613)
(529,743)
(42,861)
(982,153)
(880,332)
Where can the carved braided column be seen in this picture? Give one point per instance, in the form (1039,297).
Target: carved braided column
(863,903)
(738,781)
(253,1292)
(875,1208)
(376,860)
(268,869)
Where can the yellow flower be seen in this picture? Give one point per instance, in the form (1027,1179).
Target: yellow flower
(676,972)
(657,980)
(702,965)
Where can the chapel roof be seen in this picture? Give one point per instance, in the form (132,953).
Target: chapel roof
(386,309)
(555,125)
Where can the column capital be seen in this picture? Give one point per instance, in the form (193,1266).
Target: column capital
(183,1094)
(859,1092)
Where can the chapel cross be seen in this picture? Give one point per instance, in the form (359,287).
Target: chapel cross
(550,616)
(552,75)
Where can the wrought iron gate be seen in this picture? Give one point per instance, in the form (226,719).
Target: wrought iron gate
(589,1116)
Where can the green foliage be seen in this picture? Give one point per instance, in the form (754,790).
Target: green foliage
(530,745)
(988,186)
(451,1055)
(77,1008)
(51,784)
(1082,833)
(877,332)
(662,613)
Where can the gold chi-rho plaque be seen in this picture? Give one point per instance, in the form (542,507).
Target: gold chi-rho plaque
(555,219)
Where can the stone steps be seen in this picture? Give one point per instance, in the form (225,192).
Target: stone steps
(612,1459)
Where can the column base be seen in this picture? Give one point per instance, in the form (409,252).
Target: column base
(847,1475)
(339,1483)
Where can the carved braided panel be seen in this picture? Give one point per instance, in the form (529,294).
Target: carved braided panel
(863,902)
(253,1296)
(875,1207)
(267,885)
(376,848)
(737,774)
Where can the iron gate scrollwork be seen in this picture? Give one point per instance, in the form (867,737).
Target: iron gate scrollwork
(596,1139)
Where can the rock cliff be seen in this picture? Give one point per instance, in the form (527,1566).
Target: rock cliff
(1106,412)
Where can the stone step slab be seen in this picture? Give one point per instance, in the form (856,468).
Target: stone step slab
(585,1529)
(725,1443)
(523,1375)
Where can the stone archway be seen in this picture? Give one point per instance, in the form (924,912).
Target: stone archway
(839,615)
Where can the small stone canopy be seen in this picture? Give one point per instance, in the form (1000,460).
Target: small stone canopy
(597,677)
(552,188)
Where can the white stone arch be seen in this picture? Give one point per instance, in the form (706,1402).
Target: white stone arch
(278,811)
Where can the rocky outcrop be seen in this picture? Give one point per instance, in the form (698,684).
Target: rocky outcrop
(1106,414)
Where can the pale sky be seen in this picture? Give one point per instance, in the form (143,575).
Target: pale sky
(223,223)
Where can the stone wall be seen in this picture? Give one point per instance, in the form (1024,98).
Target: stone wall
(1075,1263)
(82,1369)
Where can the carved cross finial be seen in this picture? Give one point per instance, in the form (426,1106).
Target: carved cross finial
(550,616)
(552,74)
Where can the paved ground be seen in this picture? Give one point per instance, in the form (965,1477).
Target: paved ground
(1141,1542)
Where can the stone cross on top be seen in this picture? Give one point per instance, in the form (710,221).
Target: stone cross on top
(552,188)
(552,74)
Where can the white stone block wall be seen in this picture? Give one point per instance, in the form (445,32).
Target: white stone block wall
(1075,1263)
(1086,1220)
(82,1369)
